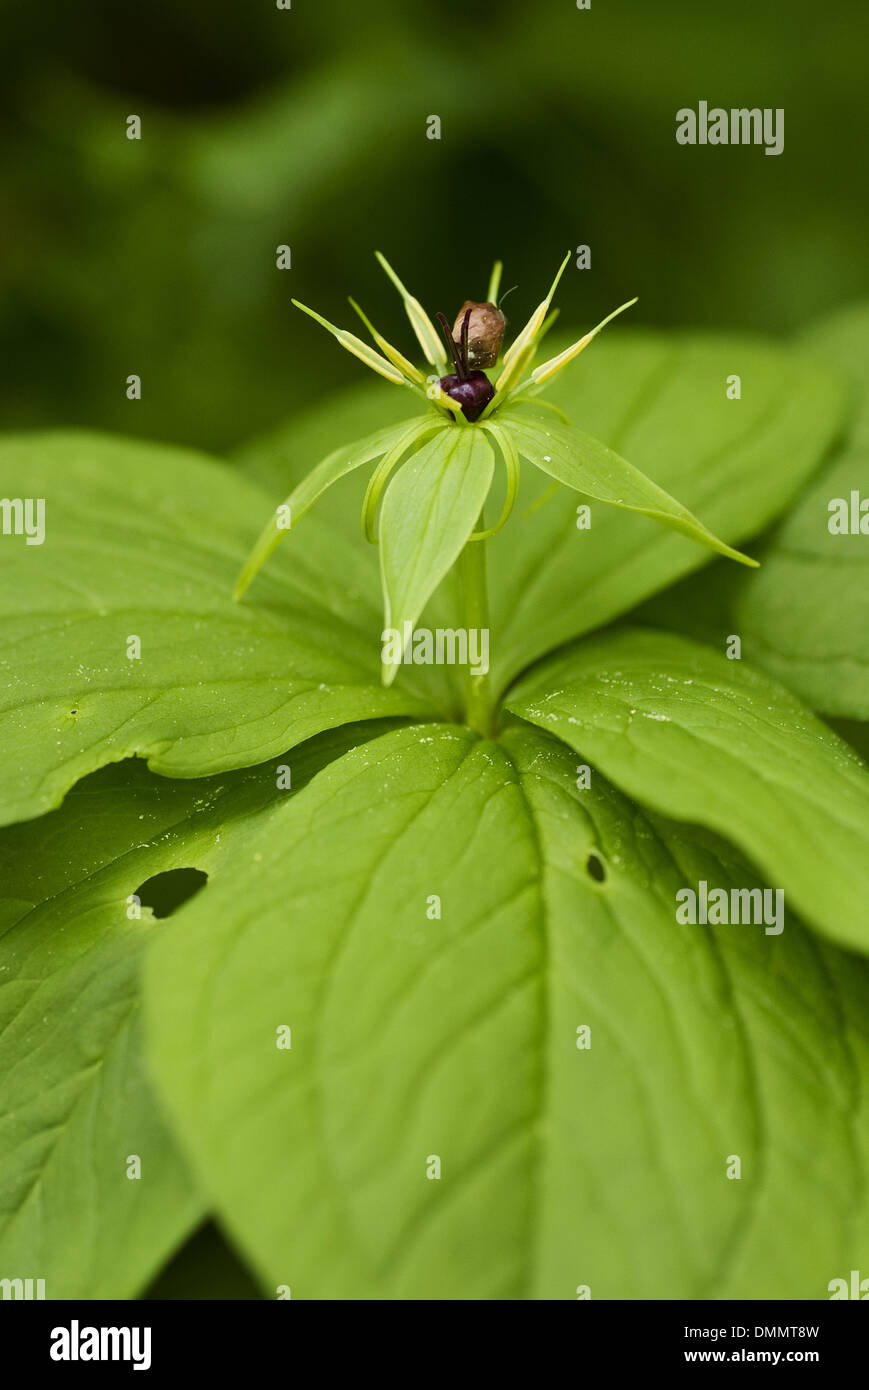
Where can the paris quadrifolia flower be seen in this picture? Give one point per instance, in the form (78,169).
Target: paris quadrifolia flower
(476,405)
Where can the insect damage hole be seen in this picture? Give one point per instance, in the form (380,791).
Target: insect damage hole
(165,893)
(595,868)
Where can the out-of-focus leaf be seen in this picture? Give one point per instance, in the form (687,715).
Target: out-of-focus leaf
(805,618)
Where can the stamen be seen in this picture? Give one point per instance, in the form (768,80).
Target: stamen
(465,322)
(452,345)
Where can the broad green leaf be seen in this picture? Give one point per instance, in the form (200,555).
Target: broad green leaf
(805,618)
(700,606)
(584,464)
(429,511)
(708,740)
(143,541)
(839,341)
(421,1035)
(408,443)
(76,1101)
(328,471)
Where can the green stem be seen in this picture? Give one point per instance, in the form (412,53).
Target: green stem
(479,703)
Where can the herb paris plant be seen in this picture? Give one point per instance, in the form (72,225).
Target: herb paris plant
(434,915)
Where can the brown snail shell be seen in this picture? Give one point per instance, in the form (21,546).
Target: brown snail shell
(485,332)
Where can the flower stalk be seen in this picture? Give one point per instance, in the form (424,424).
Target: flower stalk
(479,706)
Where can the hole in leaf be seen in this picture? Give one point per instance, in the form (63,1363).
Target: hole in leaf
(206,1268)
(165,893)
(595,868)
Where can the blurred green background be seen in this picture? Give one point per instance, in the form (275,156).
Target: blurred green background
(308,127)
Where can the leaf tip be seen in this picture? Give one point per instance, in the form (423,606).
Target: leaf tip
(741,558)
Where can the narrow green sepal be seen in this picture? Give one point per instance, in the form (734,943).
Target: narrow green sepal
(427,335)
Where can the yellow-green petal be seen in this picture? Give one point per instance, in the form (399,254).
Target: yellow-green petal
(396,358)
(427,335)
(351,343)
(555,364)
(530,332)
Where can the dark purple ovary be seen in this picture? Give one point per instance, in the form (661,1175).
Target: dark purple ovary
(473,394)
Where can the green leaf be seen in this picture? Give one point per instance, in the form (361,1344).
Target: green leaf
(659,400)
(708,740)
(454,1036)
(805,618)
(839,341)
(429,511)
(583,463)
(144,541)
(77,1102)
(328,471)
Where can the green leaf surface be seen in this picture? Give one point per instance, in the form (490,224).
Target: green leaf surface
(430,509)
(708,740)
(805,618)
(76,1099)
(588,466)
(454,1037)
(145,541)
